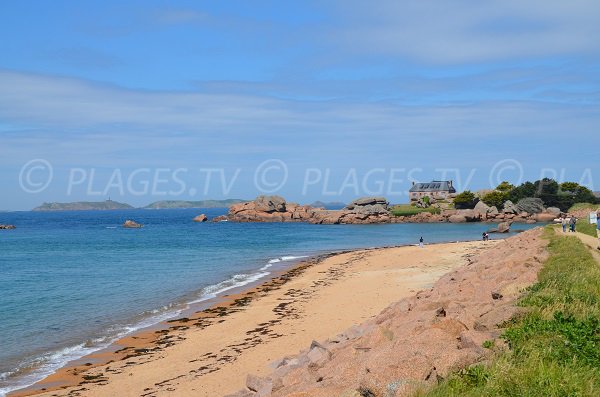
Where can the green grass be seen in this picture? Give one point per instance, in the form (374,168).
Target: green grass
(408,210)
(584,226)
(555,347)
(584,206)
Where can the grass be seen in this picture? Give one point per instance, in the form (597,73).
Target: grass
(584,226)
(584,206)
(409,210)
(555,347)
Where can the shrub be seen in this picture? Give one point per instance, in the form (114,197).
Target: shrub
(465,200)
(495,198)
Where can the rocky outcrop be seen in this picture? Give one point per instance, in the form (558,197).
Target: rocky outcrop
(270,209)
(417,341)
(503,227)
(369,210)
(7,227)
(530,205)
(200,218)
(132,224)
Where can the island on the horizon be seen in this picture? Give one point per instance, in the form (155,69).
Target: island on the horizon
(115,205)
(84,206)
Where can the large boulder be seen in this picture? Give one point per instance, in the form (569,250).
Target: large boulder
(544,217)
(503,227)
(269,204)
(510,208)
(481,209)
(456,218)
(200,218)
(530,205)
(554,211)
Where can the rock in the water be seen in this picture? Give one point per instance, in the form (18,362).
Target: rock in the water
(7,227)
(503,227)
(132,224)
(200,218)
(531,205)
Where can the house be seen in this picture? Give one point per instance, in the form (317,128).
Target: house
(438,190)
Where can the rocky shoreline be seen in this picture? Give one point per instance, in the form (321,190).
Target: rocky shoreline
(373,210)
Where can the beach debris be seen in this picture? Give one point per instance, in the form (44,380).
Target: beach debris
(200,218)
(132,224)
(441,312)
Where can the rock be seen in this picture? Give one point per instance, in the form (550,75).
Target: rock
(554,210)
(457,218)
(132,224)
(531,205)
(503,227)
(255,383)
(510,208)
(481,209)
(242,393)
(493,211)
(7,227)
(496,295)
(200,218)
(270,204)
(544,217)
(220,218)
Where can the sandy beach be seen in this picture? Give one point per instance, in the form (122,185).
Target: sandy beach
(211,352)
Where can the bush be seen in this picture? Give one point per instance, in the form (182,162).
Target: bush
(465,200)
(495,199)
(505,187)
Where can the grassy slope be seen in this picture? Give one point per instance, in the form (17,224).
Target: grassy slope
(408,210)
(555,348)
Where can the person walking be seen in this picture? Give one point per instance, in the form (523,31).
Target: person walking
(572,223)
(421,242)
(563,221)
(598,227)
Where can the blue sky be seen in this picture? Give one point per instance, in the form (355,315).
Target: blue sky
(343,87)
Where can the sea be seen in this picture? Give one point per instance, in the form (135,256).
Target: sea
(73,282)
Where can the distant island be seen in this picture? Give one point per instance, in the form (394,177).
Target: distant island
(115,205)
(84,206)
(333,205)
(172,204)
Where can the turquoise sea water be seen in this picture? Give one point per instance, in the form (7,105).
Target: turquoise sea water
(72,282)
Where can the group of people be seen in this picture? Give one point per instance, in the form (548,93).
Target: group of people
(571,222)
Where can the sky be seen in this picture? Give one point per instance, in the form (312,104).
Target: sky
(313,100)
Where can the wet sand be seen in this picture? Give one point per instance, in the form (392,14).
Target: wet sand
(210,353)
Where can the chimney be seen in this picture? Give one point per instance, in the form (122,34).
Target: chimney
(450,183)
(413,183)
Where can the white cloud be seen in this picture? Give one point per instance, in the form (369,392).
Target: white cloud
(467,31)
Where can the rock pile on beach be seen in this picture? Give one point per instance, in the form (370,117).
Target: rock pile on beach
(6,227)
(417,341)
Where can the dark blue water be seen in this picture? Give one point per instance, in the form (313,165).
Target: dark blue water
(71,282)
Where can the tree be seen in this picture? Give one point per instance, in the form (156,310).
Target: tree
(505,187)
(495,199)
(465,200)
(569,187)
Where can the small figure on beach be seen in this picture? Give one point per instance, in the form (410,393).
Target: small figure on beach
(421,242)
(598,227)
(485,236)
(563,221)
(573,223)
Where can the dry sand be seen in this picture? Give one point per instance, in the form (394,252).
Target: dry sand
(210,353)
